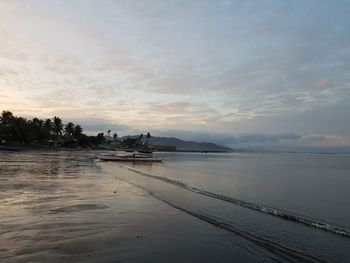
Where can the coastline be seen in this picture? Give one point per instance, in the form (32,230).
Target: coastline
(84,149)
(62,208)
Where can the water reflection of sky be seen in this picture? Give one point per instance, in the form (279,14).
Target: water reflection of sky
(62,207)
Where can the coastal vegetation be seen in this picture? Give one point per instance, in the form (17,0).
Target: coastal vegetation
(20,131)
(52,132)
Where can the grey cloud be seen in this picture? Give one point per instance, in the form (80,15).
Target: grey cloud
(95,125)
(173,113)
(330,119)
(265,66)
(174,107)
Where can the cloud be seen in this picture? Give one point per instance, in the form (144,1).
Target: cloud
(321,85)
(96,125)
(235,66)
(7,72)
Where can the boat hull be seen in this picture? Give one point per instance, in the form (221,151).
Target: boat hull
(129,159)
(9,149)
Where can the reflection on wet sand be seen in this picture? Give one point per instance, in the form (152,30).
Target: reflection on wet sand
(61,207)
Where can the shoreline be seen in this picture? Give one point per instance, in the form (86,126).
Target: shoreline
(74,211)
(55,149)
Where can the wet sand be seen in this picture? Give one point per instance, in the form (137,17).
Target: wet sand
(62,207)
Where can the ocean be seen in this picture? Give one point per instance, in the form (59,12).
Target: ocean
(193,207)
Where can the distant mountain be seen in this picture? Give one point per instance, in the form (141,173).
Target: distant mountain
(182,145)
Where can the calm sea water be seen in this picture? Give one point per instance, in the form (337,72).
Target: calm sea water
(244,207)
(233,192)
(313,185)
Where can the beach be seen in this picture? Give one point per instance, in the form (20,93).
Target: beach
(61,207)
(69,207)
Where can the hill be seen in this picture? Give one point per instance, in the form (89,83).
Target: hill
(182,145)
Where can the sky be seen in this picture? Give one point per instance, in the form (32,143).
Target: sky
(248,74)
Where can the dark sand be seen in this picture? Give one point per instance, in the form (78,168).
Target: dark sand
(61,207)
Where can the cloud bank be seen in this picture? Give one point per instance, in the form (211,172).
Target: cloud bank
(254,67)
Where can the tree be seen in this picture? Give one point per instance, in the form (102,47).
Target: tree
(38,123)
(48,126)
(100,138)
(37,126)
(148,137)
(69,128)
(78,130)
(6,123)
(115,137)
(57,125)
(22,131)
(6,118)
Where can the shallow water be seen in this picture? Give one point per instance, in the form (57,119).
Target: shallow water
(306,184)
(283,199)
(62,207)
(70,207)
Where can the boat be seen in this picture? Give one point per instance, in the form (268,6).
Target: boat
(135,157)
(9,149)
(145,150)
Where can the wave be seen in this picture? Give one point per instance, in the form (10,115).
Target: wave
(284,252)
(260,208)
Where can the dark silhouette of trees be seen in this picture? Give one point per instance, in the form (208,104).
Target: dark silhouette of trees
(38,127)
(78,130)
(100,138)
(48,126)
(21,131)
(6,121)
(38,123)
(6,118)
(57,125)
(69,128)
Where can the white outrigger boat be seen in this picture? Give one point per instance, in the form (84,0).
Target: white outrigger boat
(134,157)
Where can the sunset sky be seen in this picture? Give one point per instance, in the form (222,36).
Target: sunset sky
(254,74)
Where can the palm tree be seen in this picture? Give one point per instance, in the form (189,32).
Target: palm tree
(6,125)
(37,127)
(57,125)
(78,130)
(48,126)
(148,137)
(21,130)
(69,128)
(108,135)
(115,137)
(38,122)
